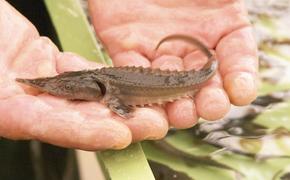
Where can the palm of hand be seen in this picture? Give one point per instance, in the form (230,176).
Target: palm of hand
(130,39)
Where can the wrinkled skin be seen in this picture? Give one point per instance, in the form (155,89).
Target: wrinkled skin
(130,36)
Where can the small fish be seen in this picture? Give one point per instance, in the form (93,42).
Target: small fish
(122,88)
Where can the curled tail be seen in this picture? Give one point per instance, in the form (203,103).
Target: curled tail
(208,70)
(188,39)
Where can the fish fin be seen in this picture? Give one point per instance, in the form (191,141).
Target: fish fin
(115,104)
(118,107)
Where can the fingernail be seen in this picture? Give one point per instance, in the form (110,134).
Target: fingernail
(147,124)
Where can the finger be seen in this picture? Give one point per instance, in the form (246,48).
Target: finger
(147,124)
(130,58)
(194,60)
(237,53)
(181,113)
(73,62)
(168,62)
(176,48)
(211,101)
(32,118)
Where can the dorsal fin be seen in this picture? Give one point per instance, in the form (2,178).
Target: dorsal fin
(143,70)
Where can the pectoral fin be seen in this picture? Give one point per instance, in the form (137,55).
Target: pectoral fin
(115,103)
(118,107)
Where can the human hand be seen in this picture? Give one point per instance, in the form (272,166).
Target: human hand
(28,114)
(131,29)
(87,125)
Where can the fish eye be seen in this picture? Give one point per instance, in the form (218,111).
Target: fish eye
(68,87)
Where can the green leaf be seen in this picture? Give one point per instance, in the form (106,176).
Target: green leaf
(267,88)
(196,172)
(73,30)
(75,35)
(184,140)
(276,117)
(127,164)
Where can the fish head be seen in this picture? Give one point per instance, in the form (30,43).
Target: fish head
(78,85)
